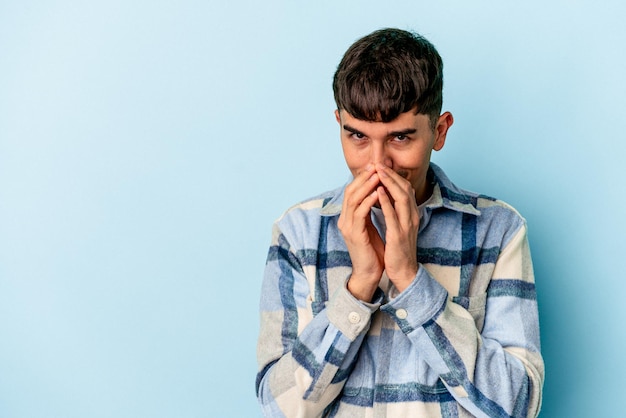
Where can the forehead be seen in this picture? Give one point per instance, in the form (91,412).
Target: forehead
(404,120)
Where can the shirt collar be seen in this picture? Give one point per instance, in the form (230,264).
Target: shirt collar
(445,194)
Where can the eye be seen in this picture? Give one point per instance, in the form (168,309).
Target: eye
(400,138)
(357,135)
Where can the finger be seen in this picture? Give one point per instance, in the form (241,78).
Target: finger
(376,241)
(360,189)
(400,191)
(361,178)
(391,218)
(353,194)
(392,180)
(353,221)
(362,212)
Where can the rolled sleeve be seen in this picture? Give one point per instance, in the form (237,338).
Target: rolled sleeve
(350,315)
(423,300)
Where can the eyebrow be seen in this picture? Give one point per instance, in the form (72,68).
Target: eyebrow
(403,132)
(407,131)
(351,129)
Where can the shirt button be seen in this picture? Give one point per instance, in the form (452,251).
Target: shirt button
(354,317)
(401,313)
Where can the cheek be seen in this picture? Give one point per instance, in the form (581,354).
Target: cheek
(355,160)
(411,167)
(353,165)
(412,160)
(404,165)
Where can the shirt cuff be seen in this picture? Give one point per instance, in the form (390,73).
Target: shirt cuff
(350,315)
(423,300)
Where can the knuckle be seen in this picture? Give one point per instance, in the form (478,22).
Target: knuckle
(404,198)
(351,200)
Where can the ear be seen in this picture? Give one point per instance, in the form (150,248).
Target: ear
(338,117)
(444,123)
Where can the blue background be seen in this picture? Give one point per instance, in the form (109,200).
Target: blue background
(147,146)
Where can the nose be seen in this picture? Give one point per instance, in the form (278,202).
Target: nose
(379,154)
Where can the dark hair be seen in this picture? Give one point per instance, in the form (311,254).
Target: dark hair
(389,72)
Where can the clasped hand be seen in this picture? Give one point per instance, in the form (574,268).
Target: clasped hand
(370,256)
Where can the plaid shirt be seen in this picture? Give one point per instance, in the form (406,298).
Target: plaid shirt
(462,340)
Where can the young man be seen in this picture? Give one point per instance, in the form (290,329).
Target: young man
(399,294)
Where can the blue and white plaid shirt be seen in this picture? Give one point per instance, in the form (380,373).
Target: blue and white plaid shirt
(462,340)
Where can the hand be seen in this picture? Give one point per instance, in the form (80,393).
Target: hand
(397,201)
(366,247)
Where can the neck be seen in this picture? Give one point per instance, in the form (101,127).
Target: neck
(425,193)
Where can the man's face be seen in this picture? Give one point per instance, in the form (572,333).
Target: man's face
(404,145)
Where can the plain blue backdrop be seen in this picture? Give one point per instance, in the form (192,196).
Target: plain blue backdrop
(147,146)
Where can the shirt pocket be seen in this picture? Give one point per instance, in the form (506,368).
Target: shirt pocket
(475,305)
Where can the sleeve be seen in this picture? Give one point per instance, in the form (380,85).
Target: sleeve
(304,360)
(485,349)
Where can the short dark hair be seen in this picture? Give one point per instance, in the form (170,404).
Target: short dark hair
(389,72)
